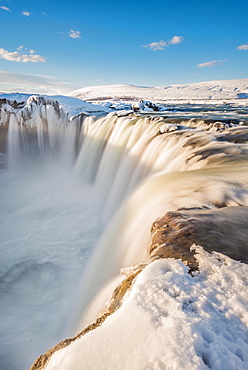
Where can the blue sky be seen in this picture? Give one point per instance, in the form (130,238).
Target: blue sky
(57,46)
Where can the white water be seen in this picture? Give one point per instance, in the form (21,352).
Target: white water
(65,184)
(13,142)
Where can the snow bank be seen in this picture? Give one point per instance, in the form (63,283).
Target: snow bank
(171,320)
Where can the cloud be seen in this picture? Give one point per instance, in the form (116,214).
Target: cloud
(22,49)
(27,14)
(75,34)
(242,47)
(211,64)
(13,82)
(176,40)
(16,56)
(160,45)
(5,8)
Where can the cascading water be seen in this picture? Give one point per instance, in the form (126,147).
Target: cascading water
(14,148)
(78,200)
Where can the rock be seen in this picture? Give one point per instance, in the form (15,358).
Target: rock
(12,103)
(146,106)
(222,230)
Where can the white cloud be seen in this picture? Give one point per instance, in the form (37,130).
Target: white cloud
(75,34)
(5,8)
(176,40)
(242,47)
(23,50)
(211,64)
(16,56)
(27,14)
(13,82)
(160,45)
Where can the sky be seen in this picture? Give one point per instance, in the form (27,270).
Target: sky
(54,47)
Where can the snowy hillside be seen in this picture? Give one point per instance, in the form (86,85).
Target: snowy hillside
(227,89)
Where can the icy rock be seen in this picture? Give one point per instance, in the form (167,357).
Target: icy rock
(145,106)
(220,126)
(124,113)
(169,127)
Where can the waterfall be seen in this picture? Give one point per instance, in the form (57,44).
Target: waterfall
(14,143)
(82,202)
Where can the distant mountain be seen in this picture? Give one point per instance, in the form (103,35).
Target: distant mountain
(215,90)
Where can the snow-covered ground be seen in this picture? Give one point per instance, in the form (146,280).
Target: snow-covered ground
(171,320)
(210,90)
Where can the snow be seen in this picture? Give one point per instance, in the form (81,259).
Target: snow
(71,106)
(210,90)
(19,98)
(171,320)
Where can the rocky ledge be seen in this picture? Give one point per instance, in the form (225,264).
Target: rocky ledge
(222,230)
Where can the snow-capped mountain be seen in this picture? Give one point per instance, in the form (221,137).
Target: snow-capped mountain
(214,90)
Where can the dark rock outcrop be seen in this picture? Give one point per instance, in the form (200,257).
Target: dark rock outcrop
(13,103)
